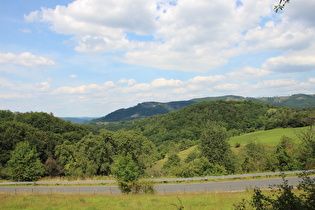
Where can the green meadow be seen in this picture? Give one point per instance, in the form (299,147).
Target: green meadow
(115,202)
(269,137)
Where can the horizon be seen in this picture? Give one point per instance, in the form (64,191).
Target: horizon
(85,57)
(96,117)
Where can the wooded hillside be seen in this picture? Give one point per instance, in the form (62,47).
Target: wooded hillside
(34,144)
(147,109)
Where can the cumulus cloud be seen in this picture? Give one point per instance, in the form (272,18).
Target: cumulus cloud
(169,89)
(291,63)
(127,81)
(25,59)
(276,83)
(248,72)
(196,37)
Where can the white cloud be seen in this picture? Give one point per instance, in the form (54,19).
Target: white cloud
(4,95)
(291,63)
(207,79)
(25,59)
(312,80)
(276,83)
(78,90)
(195,37)
(73,76)
(248,72)
(161,82)
(229,87)
(128,81)
(43,86)
(302,11)
(109,84)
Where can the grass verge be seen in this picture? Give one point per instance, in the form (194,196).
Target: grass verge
(173,201)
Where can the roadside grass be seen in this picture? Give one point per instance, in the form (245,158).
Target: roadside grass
(217,200)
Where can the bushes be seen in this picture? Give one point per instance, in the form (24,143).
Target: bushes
(283,197)
(145,187)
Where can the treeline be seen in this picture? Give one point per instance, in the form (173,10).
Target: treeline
(34,145)
(237,117)
(214,156)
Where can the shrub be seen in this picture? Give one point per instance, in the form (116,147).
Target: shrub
(283,197)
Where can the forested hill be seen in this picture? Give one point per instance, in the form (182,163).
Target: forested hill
(143,110)
(146,109)
(236,116)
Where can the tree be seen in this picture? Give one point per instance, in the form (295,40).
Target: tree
(52,167)
(285,155)
(133,143)
(172,161)
(25,164)
(307,149)
(126,172)
(215,148)
(257,158)
(92,155)
(281,5)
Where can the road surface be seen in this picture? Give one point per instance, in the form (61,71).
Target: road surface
(158,180)
(160,189)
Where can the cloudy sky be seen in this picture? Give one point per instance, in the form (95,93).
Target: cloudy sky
(91,57)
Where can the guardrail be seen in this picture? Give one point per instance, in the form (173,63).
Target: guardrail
(160,180)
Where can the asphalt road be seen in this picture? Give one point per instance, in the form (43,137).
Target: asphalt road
(158,180)
(160,189)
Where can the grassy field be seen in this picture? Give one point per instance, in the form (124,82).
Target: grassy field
(70,201)
(182,155)
(269,137)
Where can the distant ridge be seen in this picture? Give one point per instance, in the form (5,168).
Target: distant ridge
(78,120)
(147,109)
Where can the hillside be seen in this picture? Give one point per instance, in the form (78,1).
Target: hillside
(147,109)
(236,116)
(143,110)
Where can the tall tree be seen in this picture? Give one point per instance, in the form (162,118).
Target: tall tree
(25,164)
(215,148)
(307,150)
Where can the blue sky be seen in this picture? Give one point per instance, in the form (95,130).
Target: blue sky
(91,57)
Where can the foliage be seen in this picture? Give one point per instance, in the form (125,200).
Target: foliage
(24,164)
(92,155)
(126,173)
(52,167)
(126,170)
(139,187)
(256,157)
(281,5)
(284,197)
(237,117)
(146,109)
(142,110)
(215,148)
(172,161)
(307,148)
(286,155)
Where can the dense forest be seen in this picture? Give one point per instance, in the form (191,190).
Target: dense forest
(35,144)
